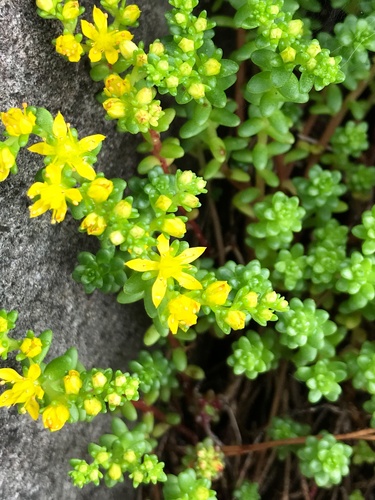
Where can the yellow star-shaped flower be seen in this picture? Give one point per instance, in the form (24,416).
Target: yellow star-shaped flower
(102,40)
(68,150)
(52,195)
(25,389)
(168,265)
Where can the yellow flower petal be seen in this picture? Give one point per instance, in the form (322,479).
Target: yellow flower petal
(9,375)
(111,55)
(59,128)
(100,20)
(188,281)
(95,54)
(32,408)
(88,30)
(84,169)
(42,148)
(142,265)
(34,372)
(158,290)
(163,245)
(191,254)
(90,142)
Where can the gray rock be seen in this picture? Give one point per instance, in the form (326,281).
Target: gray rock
(37,258)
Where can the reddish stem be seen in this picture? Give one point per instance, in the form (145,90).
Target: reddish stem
(156,148)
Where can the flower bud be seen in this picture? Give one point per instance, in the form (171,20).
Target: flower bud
(189,200)
(31,347)
(186,45)
(212,67)
(196,90)
(156,48)
(235,319)
(144,96)
(314,48)
(185,69)
(117,238)
(72,382)
(70,10)
(55,416)
(251,300)
(100,189)
(93,224)
(137,232)
(288,54)
(163,202)
(114,399)
(217,293)
(127,49)
(120,380)
(295,27)
(276,33)
(123,209)
(115,108)
(174,227)
(200,24)
(116,86)
(114,472)
(92,406)
(130,15)
(46,5)
(98,380)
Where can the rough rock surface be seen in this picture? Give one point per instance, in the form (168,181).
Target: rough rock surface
(37,258)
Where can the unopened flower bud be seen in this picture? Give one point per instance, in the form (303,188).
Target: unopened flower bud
(144,96)
(174,227)
(295,27)
(130,15)
(115,108)
(117,238)
(55,416)
(99,380)
(251,300)
(72,382)
(123,209)
(185,69)
(200,24)
(163,202)
(93,224)
(114,472)
(114,399)
(156,48)
(217,293)
(196,90)
(288,54)
(100,189)
(92,406)
(127,49)
(70,10)
(276,33)
(46,5)
(314,48)
(186,45)
(31,347)
(236,319)
(212,67)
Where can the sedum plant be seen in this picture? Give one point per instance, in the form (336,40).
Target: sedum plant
(247,231)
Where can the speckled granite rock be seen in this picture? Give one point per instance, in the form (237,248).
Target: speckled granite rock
(36,258)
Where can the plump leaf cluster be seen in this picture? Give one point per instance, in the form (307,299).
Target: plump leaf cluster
(286,428)
(325,460)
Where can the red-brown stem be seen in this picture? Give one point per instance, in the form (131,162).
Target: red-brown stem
(156,148)
(233,450)
(145,408)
